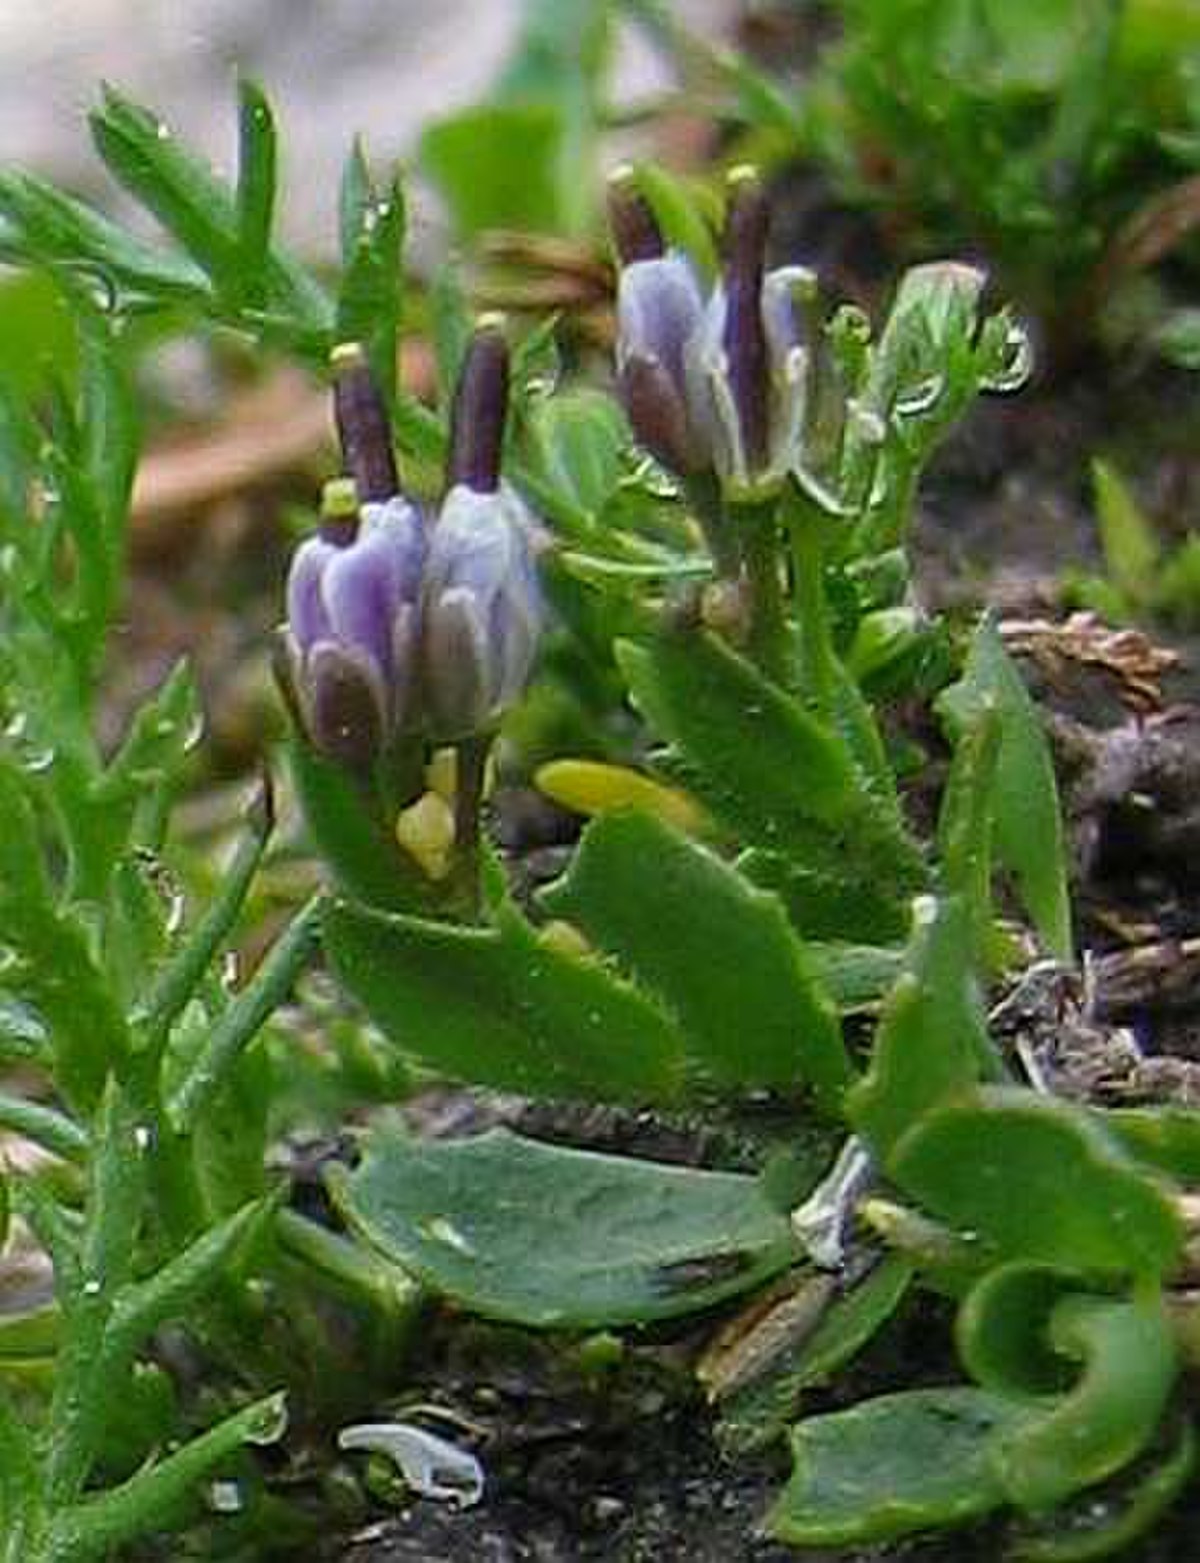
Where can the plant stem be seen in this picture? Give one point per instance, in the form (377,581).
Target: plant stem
(812,611)
(769,640)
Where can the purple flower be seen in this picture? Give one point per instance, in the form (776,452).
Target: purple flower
(712,383)
(395,627)
(482,610)
(353,609)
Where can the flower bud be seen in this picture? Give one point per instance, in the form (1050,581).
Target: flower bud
(353,610)
(482,611)
(659,308)
(746,369)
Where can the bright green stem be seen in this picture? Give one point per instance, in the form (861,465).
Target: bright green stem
(817,656)
(180,978)
(769,642)
(145,1502)
(241,1022)
(472,756)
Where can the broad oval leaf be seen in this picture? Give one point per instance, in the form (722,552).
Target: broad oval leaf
(1039,1179)
(717,952)
(893,1466)
(499,1007)
(533,1233)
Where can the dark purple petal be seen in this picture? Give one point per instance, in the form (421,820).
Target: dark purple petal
(658,415)
(363,426)
(634,227)
(747,362)
(480,408)
(345,706)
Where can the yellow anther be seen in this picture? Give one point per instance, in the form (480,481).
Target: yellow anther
(425,830)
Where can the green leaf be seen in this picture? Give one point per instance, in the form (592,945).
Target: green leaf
(1083,1203)
(182,191)
(519,1230)
(892,1466)
(1001,1329)
(499,1007)
(580,438)
(1089,1530)
(746,740)
(1128,1358)
(757,1414)
(1028,833)
(257,158)
(1131,549)
(932,1041)
(716,952)
(497,166)
(965,826)
(350,834)
(245,1016)
(369,296)
(1162,1136)
(677,211)
(150,1500)
(57,230)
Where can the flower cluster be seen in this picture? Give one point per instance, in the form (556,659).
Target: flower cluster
(398,623)
(712,383)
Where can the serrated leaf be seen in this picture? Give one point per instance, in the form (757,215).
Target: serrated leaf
(1028,833)
(519,1230)
(499,1007)
(1083,1204)
(892,1466)
(716,952)
(932,1040)
(763,765)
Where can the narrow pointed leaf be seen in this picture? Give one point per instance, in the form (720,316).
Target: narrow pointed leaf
(932,1041)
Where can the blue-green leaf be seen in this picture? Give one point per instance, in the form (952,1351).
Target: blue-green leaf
(516,1229)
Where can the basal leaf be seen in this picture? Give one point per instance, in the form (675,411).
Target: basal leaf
(1128,1366)
(892,1466)
(516,1229)
(498,1006)
(1039,1179)
(716,952)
